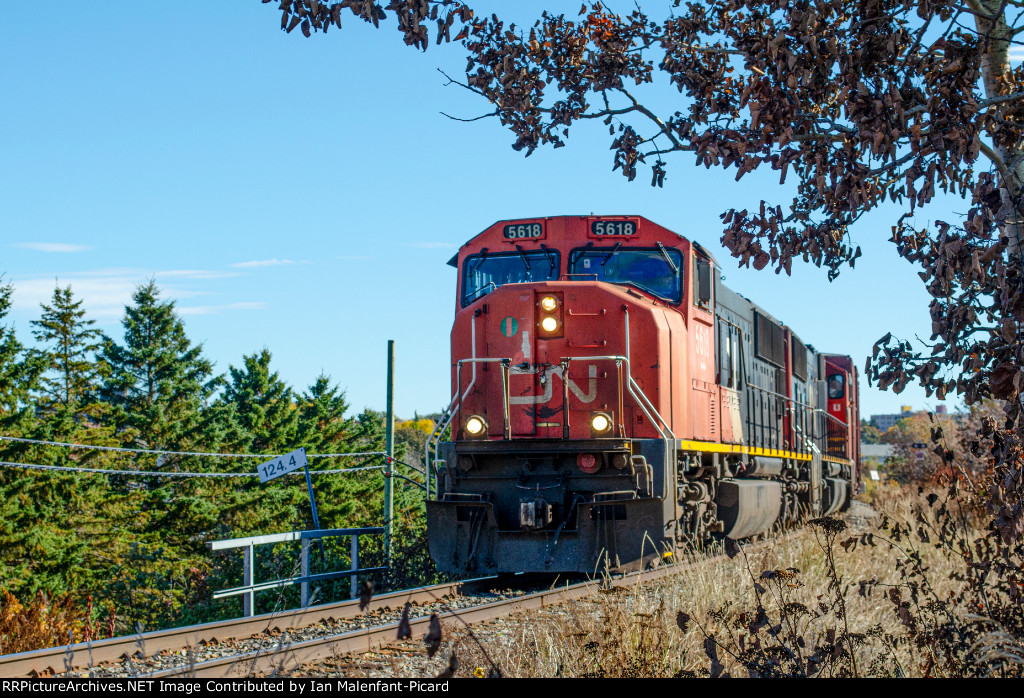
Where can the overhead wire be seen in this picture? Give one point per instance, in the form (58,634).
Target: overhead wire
(171,473)
(159,452)
(155,451)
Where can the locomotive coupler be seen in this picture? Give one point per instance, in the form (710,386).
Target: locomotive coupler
(534,513)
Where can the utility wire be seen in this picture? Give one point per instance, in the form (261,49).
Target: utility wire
(154,451)
(157,451)
(148,473)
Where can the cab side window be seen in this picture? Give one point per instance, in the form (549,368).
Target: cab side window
(701,283)
(836,386)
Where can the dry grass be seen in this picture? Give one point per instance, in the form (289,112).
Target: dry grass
(705,620)
(46,622)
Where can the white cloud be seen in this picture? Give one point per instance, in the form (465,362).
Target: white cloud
(195,274)
(106,292)
(431,245)
(266,263)
(1016,53)
(214,309)
(51,246)
(104,298)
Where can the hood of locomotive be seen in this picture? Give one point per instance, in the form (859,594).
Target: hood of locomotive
(556,382)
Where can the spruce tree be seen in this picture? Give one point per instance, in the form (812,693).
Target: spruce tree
(19,370)
(323,428)
(156,384)
(71,341)
(263,405)
(158,381)
(322,423)
(51,522)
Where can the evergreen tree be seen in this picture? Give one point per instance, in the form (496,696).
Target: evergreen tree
(263,406)
(322,423)
(54,526)
(71,372)
(158,381)
(19,370)
(323,428)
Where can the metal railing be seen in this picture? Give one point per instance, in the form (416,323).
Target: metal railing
(836,437)
(779,422)
(250,587)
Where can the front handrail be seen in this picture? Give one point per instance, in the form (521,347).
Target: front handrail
(634,389)
(625,380)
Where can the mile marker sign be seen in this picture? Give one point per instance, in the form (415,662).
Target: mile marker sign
(282,464)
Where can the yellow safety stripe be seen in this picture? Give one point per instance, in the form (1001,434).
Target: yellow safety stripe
(736,448)
(833,459)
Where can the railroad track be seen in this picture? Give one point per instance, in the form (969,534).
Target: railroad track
(285,659)
(88,655)
(280,643)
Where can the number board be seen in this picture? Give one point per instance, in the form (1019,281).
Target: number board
(523,231)
(282,465)
(614,229)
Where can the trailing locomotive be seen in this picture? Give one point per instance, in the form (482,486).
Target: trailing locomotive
(614,400)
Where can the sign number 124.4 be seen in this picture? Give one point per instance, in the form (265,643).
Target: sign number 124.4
(282,465)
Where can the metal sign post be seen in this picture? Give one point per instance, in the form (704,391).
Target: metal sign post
(285,464)
(389,447)
(312,500)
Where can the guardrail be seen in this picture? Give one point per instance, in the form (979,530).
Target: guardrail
(250,587)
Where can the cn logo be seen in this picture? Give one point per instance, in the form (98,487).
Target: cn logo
(585,397)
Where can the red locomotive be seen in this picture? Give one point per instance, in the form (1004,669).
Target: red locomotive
(613,400)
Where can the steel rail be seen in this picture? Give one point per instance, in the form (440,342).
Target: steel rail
(286,658)
(83,655)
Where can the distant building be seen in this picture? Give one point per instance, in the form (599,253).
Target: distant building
(885,422)
(876,452)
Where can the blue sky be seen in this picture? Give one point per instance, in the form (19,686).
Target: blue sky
(304,194)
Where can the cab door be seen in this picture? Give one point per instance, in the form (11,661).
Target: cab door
(729,377)
(837,425)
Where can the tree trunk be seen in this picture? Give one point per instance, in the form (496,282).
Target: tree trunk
(996,36)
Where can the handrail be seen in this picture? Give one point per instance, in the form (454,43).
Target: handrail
(636,391)
(449,413)
(250,587)
(800,416)
(290,536)
(504,392)
(835,419)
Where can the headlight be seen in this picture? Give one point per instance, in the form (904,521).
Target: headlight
(475,425)
(548,303)
(600,422)
(549,324)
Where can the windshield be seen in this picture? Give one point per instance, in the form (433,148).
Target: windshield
(658,271)
(483,273)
